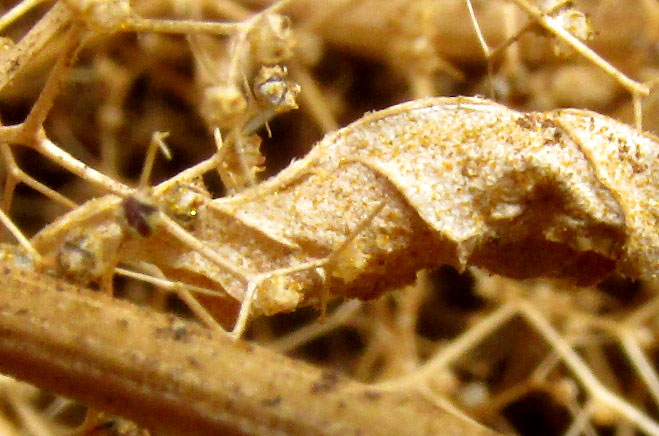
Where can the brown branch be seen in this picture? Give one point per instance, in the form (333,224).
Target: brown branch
(169,374)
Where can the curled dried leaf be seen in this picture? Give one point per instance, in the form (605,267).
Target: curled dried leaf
(461,181)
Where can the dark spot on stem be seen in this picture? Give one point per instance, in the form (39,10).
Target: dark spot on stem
(193,362)
(180,333)
(271,402)
(328,381)
(177,333)
(372,395)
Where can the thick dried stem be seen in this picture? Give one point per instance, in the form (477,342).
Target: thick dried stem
(170,374)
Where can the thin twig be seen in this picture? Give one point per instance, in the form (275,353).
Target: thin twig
(548,23)
(583,373)
(51,89)
(46,147)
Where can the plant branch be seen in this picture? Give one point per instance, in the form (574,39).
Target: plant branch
(549,23)
(171,374)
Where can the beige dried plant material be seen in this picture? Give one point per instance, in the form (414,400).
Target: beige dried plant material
(177,378)
(524,195)
(460,181)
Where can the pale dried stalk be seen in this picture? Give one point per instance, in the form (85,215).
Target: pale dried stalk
(15,59)
(17,11)
(485,327)
(172,375)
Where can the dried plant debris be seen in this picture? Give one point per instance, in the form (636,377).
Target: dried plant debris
(178,378)
(527,193)
(460,181)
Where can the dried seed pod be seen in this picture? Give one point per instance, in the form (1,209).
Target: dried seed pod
(273,90)
(572,20)
(241,161)
(101,15)
(183,200)
(460,181)
(223,104)
(88,252)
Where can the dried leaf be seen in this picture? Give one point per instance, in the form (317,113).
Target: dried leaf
(464,181)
